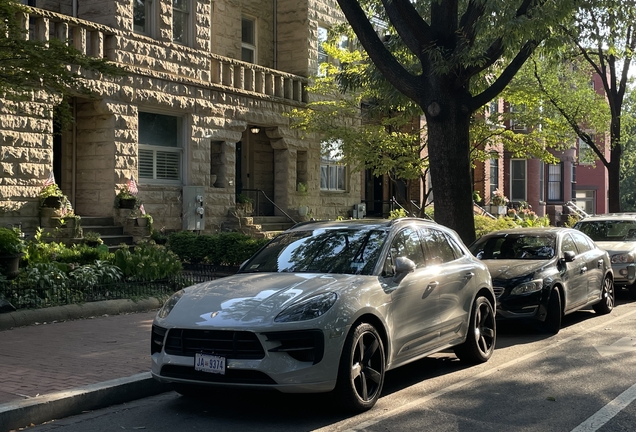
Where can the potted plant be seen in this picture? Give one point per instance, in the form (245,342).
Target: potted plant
(51,196)
(303,191)
(498,202)
(125,199)
(93,238)
(144,220)
(11,250)
(244,204)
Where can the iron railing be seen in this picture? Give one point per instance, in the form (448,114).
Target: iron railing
(26,294)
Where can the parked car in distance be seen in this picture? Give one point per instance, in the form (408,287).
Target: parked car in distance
(615,233)
(542,274)
(329,306)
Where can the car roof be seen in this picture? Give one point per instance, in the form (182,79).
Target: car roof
(530,231)
(359,223)
(610,216)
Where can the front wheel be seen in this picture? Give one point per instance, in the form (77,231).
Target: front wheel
(606,304)
(552,323)
(482,333)
(361,371)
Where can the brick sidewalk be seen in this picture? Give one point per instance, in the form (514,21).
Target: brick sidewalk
(46,358)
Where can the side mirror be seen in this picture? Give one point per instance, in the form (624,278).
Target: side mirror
(568,256)
(403,266)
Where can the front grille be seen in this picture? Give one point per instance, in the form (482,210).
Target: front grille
(302,345)
(240,345)
(232,376)
(498,291)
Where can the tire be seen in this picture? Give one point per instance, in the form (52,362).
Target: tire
(606,305)
(482,334)
(552,323)
(361,370)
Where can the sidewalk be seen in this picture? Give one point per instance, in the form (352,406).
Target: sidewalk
(55,369)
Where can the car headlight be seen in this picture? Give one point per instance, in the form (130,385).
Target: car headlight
(622,258)
(308,309)
(527,287)
(170,304)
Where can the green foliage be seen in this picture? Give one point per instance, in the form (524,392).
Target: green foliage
(93,237)
(52,190)
(572,220)
(147,261)
(243,199)
(397,213)
(628,158)
(100,272)
(229,249)
(10,242)
(484,224)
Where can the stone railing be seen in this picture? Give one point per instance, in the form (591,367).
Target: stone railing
(188,64)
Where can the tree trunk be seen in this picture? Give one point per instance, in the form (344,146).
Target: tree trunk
(449,157)
(613,175)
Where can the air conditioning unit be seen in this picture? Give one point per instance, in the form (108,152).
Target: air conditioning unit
(359,211)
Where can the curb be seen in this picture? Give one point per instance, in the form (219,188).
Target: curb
(27,317)
(40,409)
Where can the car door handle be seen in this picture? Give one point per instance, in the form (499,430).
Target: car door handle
(432,285)
(468,276)
(599,263)
(583,269)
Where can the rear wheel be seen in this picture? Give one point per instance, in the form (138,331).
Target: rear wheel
(606,304)
(552,323)
(361,371)
(482,333)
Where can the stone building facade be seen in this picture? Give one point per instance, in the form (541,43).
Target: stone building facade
(202,108)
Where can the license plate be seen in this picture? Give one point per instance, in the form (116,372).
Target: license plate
(209,363)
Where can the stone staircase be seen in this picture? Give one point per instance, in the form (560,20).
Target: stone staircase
(259,226)
(112,235)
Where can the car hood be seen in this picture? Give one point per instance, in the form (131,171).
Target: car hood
(250,298)
(616,246)
(513,268)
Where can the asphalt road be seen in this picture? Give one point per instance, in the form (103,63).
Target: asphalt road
(582,380)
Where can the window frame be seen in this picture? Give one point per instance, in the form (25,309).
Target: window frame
(187,32)
(494,179)
(558,182)
(322,56)
(330,162)
(149,8)
(513,180)
(180,150)
(253,47)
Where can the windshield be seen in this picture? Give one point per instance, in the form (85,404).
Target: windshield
(515,246)
(609,230)
(344,251)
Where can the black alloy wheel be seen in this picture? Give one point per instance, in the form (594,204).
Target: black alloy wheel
(606,305)
(552,323)
(362,367)
(482,333)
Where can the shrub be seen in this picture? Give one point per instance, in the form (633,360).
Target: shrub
(148,261)
(10,242)
(484,224)
(397,213)
(229,249)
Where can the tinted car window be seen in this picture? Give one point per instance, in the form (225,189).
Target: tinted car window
(567,244)
(407,244)
(610,230)
(581,242)
(347,251)
(458,251)
(438,250)
(514,246)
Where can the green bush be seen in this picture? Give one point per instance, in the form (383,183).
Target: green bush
(484,224)
(229,249)
(147,261)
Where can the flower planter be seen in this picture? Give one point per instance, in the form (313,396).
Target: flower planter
(303,210)
(52,202)
(127,203)
(498,210)
(10,265)
(142,222)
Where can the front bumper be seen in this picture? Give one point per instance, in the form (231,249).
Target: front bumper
(530,306)
(624,274)
(278,369)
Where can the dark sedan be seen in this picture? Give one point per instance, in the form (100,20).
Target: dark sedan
(543,274)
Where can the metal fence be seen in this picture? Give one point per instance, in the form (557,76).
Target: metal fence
(25,294)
